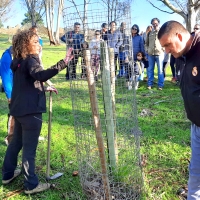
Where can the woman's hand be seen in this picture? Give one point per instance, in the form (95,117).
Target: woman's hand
(68,56)
(51,89)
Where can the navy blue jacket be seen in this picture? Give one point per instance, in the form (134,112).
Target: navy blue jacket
(138,45)
(78,39)
(190,81)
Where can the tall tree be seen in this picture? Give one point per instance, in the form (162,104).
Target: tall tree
(34,7)
(188,9)
(50,6)
(49,9)
(60,7)
(38,19)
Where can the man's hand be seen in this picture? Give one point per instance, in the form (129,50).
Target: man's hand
(9,101)
(52,89)
(68,56)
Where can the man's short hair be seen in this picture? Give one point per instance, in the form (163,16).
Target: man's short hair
(104,25)
(171,26)
(113,22)
(77,24)
(155,19)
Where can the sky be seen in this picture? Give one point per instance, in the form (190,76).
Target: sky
(141,14)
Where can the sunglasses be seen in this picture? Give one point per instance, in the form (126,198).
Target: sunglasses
(196,28)
(97,34)
(134,29)
(155,24)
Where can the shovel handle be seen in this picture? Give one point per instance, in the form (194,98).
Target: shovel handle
(49,135)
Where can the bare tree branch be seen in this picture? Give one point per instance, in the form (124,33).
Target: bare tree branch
(161,9)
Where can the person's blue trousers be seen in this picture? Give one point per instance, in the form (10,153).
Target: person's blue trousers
(194,166)
(159,61)
(26,133)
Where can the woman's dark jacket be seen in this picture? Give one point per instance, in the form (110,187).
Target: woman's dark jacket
(28,95)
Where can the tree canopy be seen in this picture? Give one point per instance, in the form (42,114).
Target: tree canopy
(28,19)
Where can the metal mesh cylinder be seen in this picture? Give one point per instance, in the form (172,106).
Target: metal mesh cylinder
(104,107)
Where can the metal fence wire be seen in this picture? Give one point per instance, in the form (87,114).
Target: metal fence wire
(104,107)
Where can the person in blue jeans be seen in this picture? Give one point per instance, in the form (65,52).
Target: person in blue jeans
(28,102)
(155,55)
(176,39)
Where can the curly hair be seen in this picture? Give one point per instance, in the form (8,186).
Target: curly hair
(21,43)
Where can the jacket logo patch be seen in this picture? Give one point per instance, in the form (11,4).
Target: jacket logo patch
(194,71)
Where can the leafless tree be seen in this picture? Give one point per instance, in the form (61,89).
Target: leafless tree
(188,9)
(116,8)
(33,7)
(5,8)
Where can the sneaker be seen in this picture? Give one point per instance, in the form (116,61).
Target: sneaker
(149,88)
(159,88)
(17,172)
(41,187)
(173,80)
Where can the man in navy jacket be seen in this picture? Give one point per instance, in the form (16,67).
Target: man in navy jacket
(180,43)
(73,39)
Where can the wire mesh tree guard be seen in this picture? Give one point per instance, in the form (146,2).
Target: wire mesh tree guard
(105,112)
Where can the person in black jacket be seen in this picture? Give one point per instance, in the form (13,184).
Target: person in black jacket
(180,43)
(28,102)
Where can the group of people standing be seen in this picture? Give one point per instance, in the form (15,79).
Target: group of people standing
(146,49)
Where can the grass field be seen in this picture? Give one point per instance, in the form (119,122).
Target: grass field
(165,143)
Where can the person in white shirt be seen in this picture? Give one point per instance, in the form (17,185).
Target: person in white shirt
(95,53)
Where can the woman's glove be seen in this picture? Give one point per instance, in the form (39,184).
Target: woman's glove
(68,56)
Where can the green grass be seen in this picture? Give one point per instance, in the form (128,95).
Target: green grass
(165,144)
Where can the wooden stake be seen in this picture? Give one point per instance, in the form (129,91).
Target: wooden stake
(112,75)
(97,123)
(108,104)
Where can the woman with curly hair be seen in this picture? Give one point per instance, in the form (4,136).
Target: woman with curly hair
(28,102)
